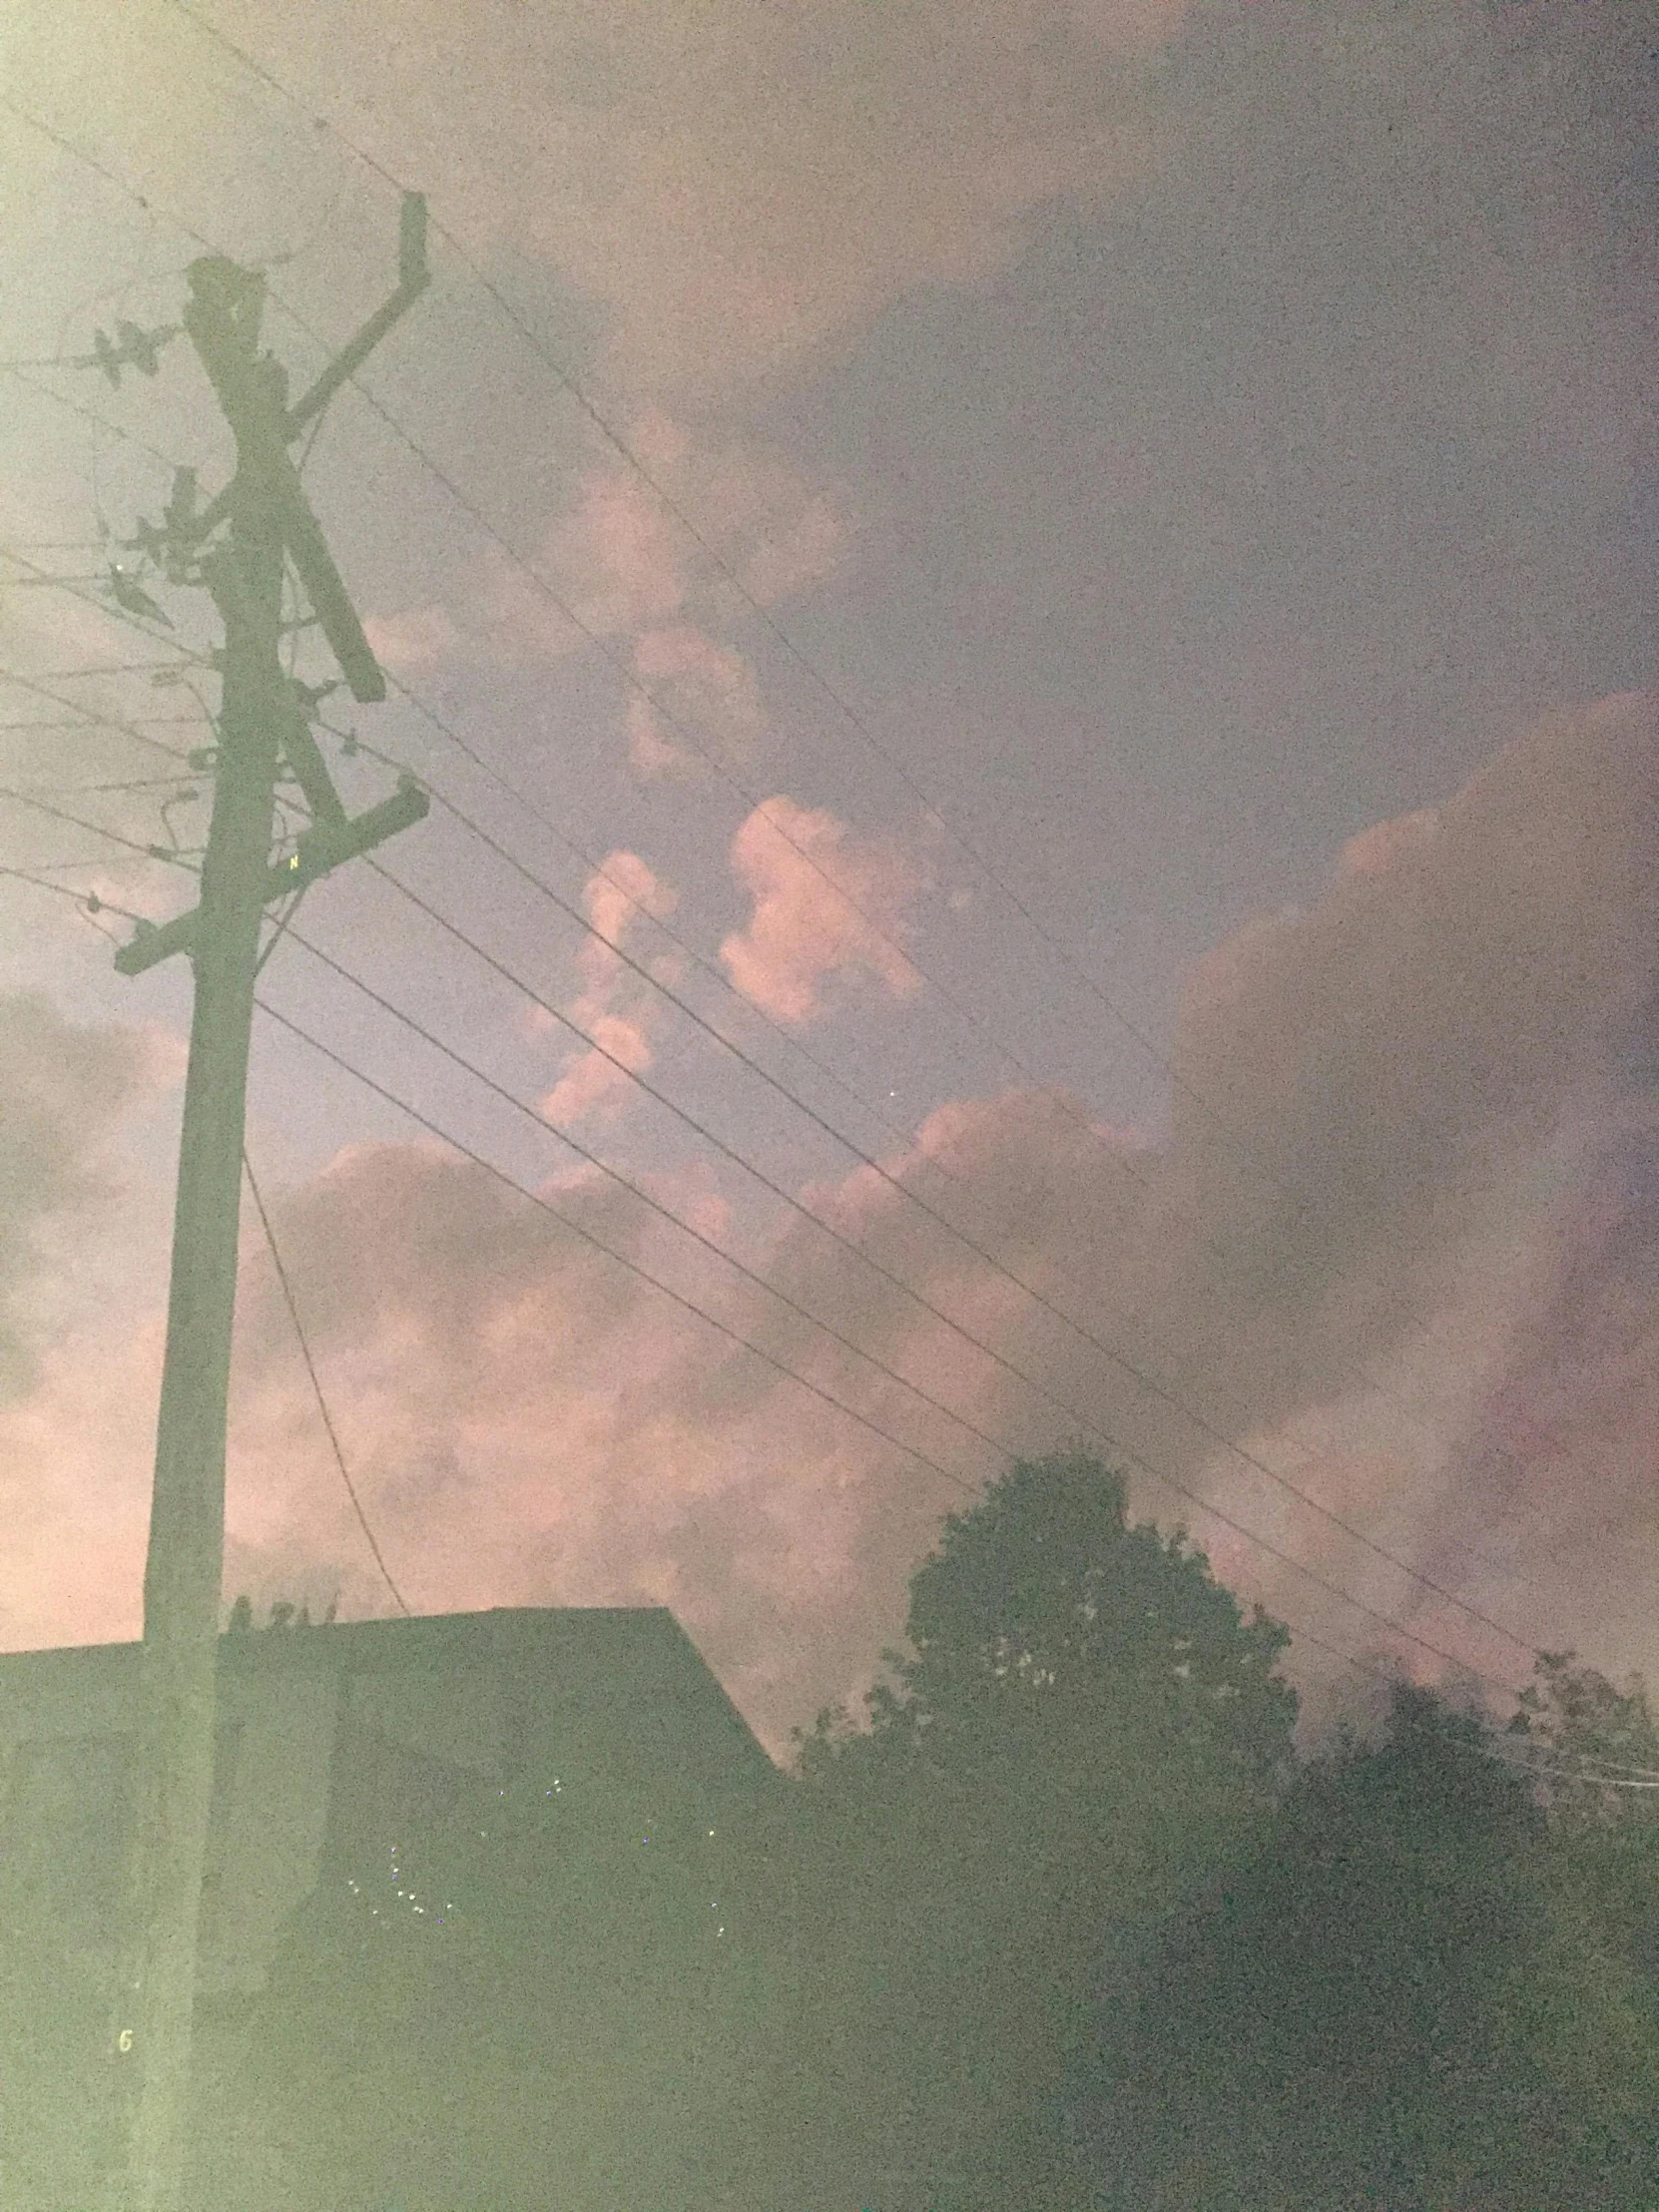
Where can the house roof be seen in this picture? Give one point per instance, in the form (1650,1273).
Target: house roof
(623,1671)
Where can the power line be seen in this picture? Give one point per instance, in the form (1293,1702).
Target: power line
(126,784)
(1609,1774)
(621,447)
(39,583)
(635,904)
(145,626)
(591,1039)
(665,1211)
(317,1386)
(79,407)
(80,153)
(96,829)
(159,672)
(89,902)
(89,718)
(675,722)
(1204,1504)
(1124,1164)
(674,998)
(1577,1776)
(951,999)
(1160,1059)
(1462,1604)
(633,1266)
(808,857)
(921,1458)
(1112,1443)
(477,1159)
(1179,1489)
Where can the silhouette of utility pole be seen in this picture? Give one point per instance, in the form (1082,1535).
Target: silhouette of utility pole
(236,548)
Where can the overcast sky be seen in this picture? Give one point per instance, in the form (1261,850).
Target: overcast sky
(1074,578)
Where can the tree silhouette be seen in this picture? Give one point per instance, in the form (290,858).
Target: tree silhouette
(1084,1719)
(1407,1999)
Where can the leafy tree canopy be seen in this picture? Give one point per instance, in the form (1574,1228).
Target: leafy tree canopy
(1407,1999)
(1084,1721)
(1046,1619)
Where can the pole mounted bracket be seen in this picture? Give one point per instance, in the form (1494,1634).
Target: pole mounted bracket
(413,277)
(300,533)
(222,321)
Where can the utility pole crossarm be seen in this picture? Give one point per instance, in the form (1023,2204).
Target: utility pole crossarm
(321,849)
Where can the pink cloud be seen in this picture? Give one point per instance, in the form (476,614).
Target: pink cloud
(824,906)
(624,552)
(614,1008)
(1449,1060)
(626,567)
(1387,845)
(710,693)
(653,754)
(415,638)
(593,1078)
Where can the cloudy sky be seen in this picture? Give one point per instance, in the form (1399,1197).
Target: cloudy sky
(1031,627)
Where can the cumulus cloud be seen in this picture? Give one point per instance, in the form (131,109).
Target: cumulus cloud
(631,574)
(415,638)
(1431,1304)
(616,1007)
(629,566)
(622,553)
(823,904)
(1448,1030)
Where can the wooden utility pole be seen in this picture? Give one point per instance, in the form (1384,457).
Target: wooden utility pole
(238,548)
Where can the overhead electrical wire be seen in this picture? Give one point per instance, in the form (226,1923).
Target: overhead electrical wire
(778,1190)
(634,1267)
(902,1189)
(1462,1605)
(159,672)
(1083,1422)
(91,903)
(1591,1772)
(79,407)
(964,1012)
(1603,1775)
(97,828)
(317,1388)
(1396,1628)
(90,718)
(511,1183)
(157,633)
(91,161)
(675,722)
(122,784)
(1124,1164)
(734,579)
(1228,1444)
(810,859)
